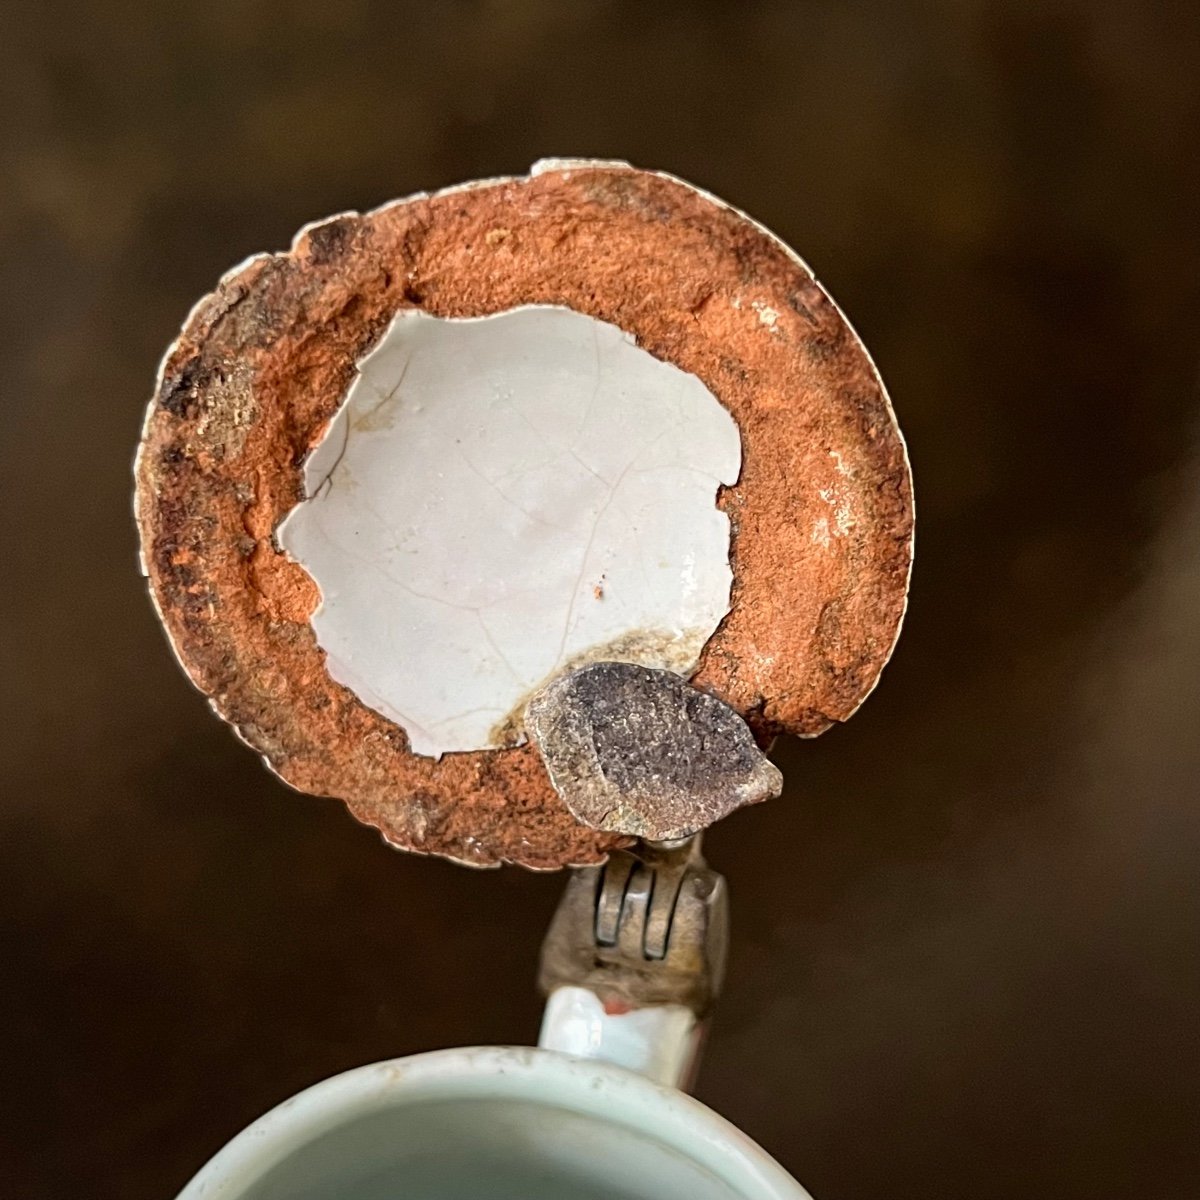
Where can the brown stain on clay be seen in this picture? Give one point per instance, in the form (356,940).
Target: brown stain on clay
(265,361)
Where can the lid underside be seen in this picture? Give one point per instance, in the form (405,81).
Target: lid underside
(820,516)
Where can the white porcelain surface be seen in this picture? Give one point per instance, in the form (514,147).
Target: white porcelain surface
(659,1041)
(506,1124)
(501,498)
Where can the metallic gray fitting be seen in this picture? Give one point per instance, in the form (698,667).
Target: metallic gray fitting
(638,751)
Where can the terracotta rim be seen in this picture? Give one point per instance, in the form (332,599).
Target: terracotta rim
(821,516)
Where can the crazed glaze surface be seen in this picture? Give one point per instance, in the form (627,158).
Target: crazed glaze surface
(504,497)
(821,514)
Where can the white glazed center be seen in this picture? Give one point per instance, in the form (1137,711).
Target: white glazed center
(502,498)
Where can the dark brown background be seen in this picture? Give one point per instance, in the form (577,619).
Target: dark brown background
(966,941)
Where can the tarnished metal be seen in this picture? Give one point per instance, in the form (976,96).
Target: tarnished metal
(639,751)
(649,927)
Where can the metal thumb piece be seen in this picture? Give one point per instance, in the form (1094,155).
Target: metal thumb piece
(639,751)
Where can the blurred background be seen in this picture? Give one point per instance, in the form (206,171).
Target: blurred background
(965,949)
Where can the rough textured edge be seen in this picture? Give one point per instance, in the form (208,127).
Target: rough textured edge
(234,287)
(636,750)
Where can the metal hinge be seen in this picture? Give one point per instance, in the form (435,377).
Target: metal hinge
(649,927)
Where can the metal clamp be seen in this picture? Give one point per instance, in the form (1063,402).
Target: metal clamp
(650,927)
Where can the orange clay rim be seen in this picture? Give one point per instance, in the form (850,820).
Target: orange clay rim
(821,515)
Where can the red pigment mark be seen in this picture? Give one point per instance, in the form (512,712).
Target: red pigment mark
(614,1007)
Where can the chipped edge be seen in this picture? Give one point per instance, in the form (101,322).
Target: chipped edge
(542,166)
